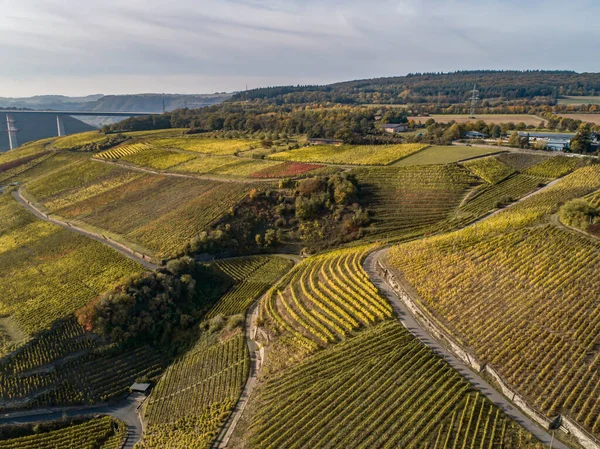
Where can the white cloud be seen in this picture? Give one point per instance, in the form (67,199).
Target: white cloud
(109,46)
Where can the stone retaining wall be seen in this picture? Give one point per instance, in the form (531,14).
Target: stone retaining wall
(586,440)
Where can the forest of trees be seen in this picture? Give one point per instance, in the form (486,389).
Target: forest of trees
(535,86)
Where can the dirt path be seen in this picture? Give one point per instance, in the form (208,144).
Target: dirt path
(121,248)
(256,362)
(206,177)
(126,411)
(413,326)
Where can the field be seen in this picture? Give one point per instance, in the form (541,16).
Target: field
(41,269)
(410,200)
(572,100)
(528,290)
(97,433)
(590,118)
(157,213)
(254,276)
(349,154)
(196,394)
(76,141)
(206,145)
(440,154)
(488,118)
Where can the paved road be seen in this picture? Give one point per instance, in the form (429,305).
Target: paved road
(125,411)
(256,362)
(410,323)
(127,252)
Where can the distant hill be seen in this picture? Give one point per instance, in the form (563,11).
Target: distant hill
(115,103)
(38,126)
(448,88)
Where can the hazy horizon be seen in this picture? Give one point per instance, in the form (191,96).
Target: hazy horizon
(69,48)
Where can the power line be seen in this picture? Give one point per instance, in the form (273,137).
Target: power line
(474,99)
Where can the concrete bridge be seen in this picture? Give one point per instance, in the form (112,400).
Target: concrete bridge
(12,130)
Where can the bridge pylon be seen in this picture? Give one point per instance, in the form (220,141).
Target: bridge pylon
(12,132)
(60,126)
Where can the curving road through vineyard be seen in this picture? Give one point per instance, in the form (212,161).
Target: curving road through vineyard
(123,249)
(125,411)
(413,326)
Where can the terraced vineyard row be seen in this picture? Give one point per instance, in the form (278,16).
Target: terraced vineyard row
(254,276)
(97,433)
(528,294)
(196,394)
(594,199)
(411,200)
(122,151)
(325,298)
(380,389)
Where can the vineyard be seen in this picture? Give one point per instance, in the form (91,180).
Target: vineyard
(490,197)
(157,158)
(196,394)
(412,200)
(41,269)
(490,169)
(529,295)
(206,145)
(443,154)
(325,298)
(97,433)
(521,161)
(27,150)
(285,170)
(379,389)
(350,154)
(66,366)
(122,151)
(254,276)
(76,141)
(553,167)
(158,213)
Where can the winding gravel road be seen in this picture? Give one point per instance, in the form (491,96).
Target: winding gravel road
(123,249)
(410,323)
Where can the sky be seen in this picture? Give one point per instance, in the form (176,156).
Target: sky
(75,47)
